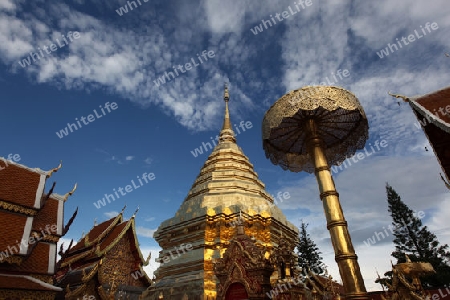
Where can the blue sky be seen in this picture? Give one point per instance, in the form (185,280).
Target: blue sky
(154,128)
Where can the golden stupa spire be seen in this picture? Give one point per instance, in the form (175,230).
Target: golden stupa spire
(226,134)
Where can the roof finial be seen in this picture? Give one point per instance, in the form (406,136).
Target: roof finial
(226,96)
(135,212)
(66,196)
(49,173)
(405,98)
(226,134)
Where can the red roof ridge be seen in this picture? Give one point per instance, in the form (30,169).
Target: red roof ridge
(423,104)
(105,228)
(425,112)
(116,220)
(125,226)
(34,170)
(100,249)
(429,94)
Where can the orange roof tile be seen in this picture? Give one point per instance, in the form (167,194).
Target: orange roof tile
(94,234)
(47,216)
(23,282)
(432,111)
(14,225)
(37,262)
(19,184)
(434,105)
(434,101)
(113,235)
(81,255)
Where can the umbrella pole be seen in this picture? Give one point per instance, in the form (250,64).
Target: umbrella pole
(344,253)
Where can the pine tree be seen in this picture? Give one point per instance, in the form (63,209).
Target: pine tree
(308,253)
(415,240)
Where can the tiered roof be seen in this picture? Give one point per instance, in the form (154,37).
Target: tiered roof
(433,112)
(81,265)
(31,222)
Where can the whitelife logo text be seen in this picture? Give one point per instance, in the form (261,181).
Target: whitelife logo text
(90,118)
(27,61)
(411,38)
(280,17)
(188,66)
(128,189)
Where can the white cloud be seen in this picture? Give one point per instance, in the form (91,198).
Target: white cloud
(7,5)
(153,265)
(129,157)
(111,214)
(145,232)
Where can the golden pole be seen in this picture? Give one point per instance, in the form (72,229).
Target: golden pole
(344,253)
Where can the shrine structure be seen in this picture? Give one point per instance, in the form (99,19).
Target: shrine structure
(31,224)
(226,187)
(105,264)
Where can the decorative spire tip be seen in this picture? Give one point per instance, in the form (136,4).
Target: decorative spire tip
(226,96)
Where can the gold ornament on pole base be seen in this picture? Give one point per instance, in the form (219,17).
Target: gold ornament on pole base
(310,129)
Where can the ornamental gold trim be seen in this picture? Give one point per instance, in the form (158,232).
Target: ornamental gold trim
(75,292)
(13,259)
(71,261)
(45,278)
(113,243)
(87,243)
(49,173)
(18,208)
(91,274)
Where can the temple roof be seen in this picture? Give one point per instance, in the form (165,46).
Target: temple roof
(82,265)
(96,234)
(433,112)
(429,105)
(22,185)
(88,252)
(32,219)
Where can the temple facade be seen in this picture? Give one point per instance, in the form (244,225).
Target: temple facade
(31,224)
(226,190)
(105,264)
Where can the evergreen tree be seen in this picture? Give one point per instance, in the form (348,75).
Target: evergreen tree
(415,240)
(308,253)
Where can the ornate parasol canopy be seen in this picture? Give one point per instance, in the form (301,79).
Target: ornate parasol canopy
(340,122)
(310,129)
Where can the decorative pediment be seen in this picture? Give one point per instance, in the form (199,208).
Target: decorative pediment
(245,263)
